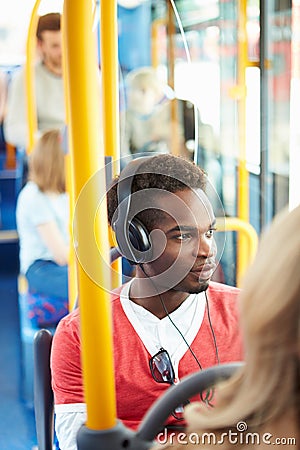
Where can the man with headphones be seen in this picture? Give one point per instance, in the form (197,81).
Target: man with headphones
(170,320)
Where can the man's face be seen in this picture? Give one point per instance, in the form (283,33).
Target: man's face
(188,260)
(50,48)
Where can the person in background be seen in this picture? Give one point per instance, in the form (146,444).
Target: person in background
(48,86)
(260,405)
(170,320)
(42,215)
(147,119)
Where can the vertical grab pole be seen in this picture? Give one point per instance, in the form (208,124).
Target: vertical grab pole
(69,170)
(155,42)
(29,78)
(171,78)
(109,67)
(243,179)
(110,96)
(91,233)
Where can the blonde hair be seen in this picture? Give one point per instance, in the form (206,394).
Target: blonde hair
(145,78)
(268,386)
(47,163)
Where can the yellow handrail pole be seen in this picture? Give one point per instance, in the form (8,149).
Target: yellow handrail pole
(88,158)
(110,97)
(110,92)
(155,41)
(243,178)
(249,234)
(29,78)
(72,272)
(171,78)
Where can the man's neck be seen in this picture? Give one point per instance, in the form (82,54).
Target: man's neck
(55,70)
(143,293)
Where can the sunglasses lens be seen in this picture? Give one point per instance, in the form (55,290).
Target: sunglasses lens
(161,368)
(163,377)
(163,372)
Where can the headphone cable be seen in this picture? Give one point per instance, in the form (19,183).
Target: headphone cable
(212,330)
(209,393)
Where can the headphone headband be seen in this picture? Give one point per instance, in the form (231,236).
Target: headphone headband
(126,179)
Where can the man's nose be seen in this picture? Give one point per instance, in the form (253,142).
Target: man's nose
(206,247)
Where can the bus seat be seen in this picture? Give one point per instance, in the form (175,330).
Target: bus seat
(43,395)
(178,394)
(28,330)
(153,422)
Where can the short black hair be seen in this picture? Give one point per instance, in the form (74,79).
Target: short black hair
(166,172)
(48,22)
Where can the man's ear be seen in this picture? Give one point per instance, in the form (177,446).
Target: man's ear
(39,48)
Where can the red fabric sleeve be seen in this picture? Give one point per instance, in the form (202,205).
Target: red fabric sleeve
(65,361)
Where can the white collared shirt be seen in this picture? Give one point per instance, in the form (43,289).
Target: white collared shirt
(158,333)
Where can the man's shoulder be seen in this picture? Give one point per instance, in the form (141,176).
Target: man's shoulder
(43,74)
(217,290)
(220,287)
(19,72)
(116,296)
(224,300)
(41,69)
(71,320)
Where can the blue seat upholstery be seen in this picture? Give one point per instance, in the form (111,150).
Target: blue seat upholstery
(28,329)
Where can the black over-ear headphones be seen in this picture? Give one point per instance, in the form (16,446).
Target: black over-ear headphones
(134,242)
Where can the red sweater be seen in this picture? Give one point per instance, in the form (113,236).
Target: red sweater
(135,388)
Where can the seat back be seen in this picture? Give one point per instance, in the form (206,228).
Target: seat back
(178,394)
(43,394)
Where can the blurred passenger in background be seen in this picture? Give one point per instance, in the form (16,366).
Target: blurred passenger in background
(48,86)
(43,223)
(260,405)
(147,119)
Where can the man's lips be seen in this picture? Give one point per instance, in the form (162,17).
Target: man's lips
(204,271)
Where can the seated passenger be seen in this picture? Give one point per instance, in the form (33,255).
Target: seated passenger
(170,309)
(261,404)
(147,119)
(42,223)
(50,106)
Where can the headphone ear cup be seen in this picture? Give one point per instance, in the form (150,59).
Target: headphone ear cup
(134,242)
(140,240)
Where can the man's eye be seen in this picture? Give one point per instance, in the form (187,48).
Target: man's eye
(209,234)
(183,236)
